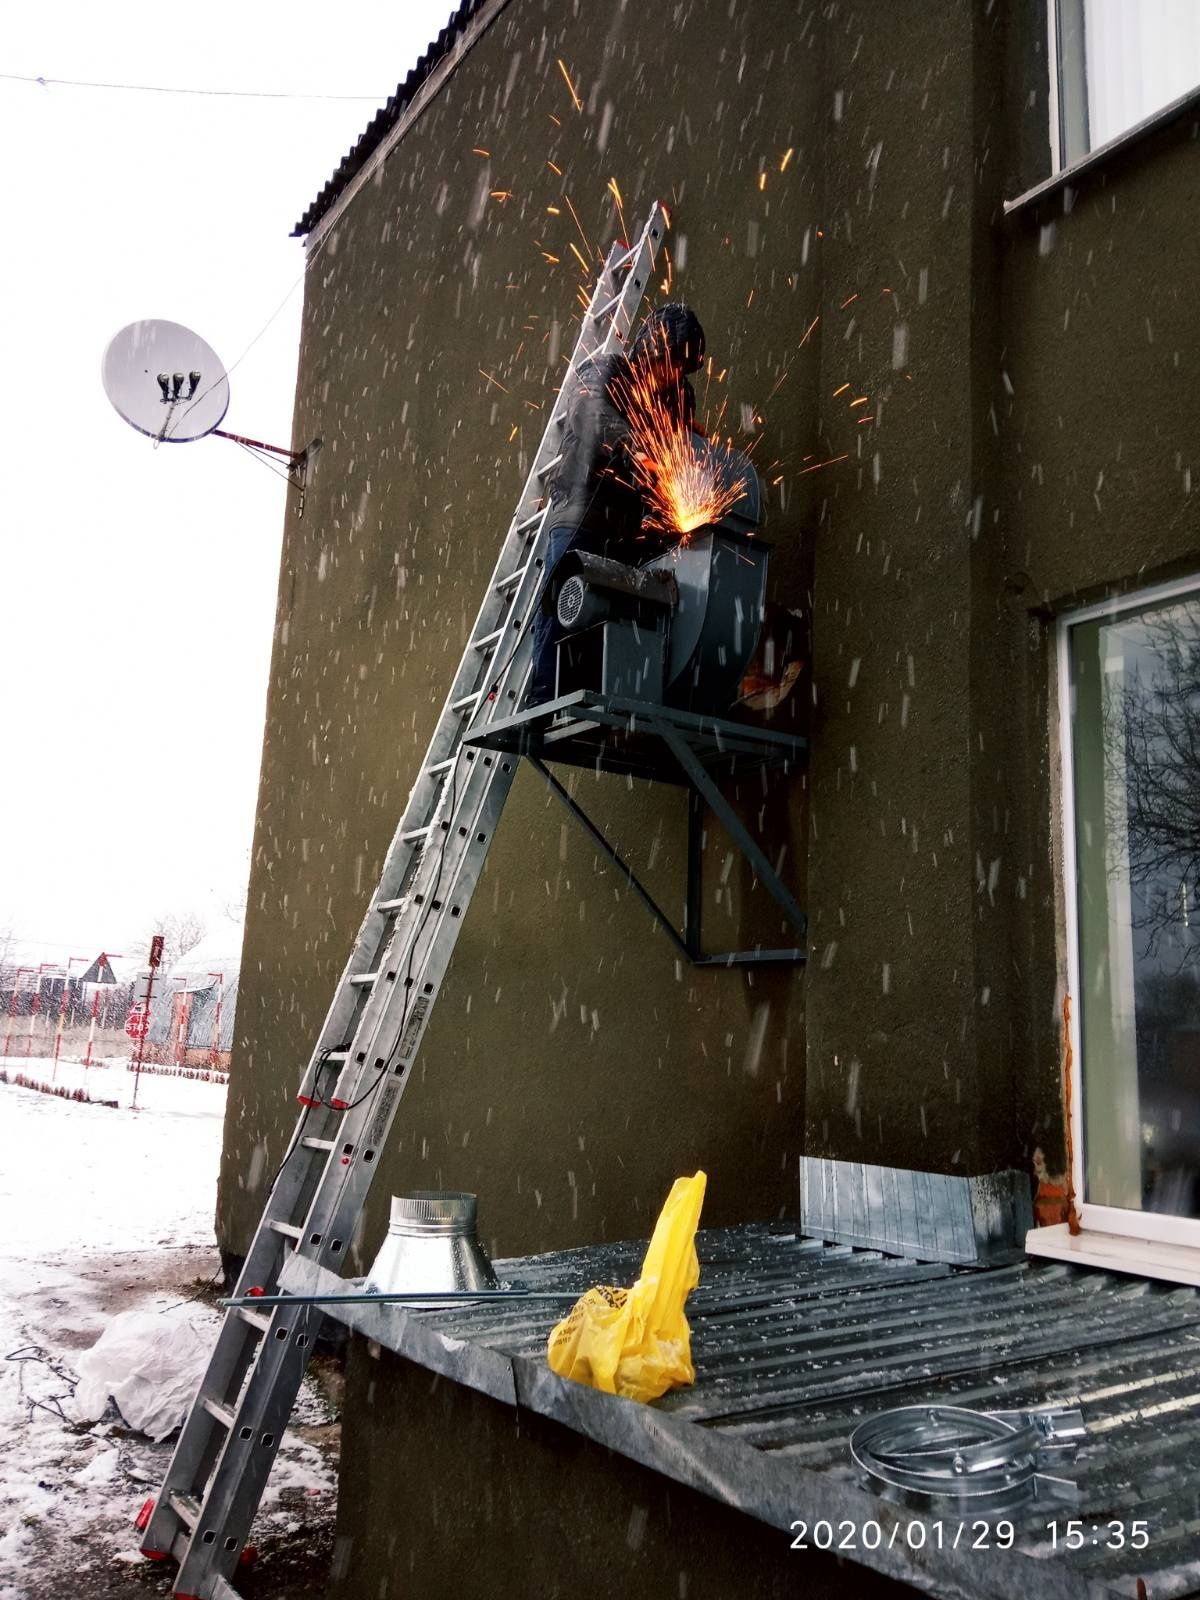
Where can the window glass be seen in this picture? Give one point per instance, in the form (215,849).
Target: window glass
(1135,717)
(1120,61)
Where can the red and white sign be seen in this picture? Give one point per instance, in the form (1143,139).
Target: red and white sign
(137,1024)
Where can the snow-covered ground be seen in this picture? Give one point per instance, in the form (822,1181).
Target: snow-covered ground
(103,1210)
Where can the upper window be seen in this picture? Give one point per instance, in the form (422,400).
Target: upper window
(1134,779)
(1119,61)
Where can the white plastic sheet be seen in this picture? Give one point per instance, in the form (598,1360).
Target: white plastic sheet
(150,1363)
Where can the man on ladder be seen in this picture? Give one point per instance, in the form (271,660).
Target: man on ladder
(595,503)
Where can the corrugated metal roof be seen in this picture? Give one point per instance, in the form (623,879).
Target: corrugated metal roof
(386,119)
(796,1341)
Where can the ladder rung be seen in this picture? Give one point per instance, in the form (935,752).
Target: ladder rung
(335,1055)
(609,306)
(310,1143)
(220,1413)
(550,465)
(388,906)
(185,1507)
(439,766)
(467,701)
(488,640)
(287,1229)
(254,1319)
(534,517)
(363,980)
(512,580)
(410,834)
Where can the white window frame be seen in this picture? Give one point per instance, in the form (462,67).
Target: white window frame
(1147,1242)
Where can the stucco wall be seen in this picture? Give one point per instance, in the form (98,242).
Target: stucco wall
(571,1069)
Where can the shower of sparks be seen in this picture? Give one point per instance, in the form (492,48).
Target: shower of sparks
(679,477)
(578,103)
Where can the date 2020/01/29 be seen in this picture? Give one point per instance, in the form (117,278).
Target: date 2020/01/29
(978,1535)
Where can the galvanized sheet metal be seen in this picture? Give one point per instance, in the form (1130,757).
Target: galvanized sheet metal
(795,1341)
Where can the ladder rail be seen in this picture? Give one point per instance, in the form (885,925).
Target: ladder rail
(374,1028)
(496,610)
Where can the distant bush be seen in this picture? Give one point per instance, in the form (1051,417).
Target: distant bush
(23,1082)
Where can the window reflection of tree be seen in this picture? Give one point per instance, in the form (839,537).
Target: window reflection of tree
(1152,748)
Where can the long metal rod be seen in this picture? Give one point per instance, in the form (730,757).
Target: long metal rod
(622,866)
(424,1297)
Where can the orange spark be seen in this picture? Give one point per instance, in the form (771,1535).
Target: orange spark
(762,181)
(490,379)
(501,194)
(679,476)
(567,80)
(849,302)
(553,168)
(861,401)
(477,151)
(808,330)
(842,390)
(749,298)
(578,257)
(817,467)
(553,259)
(513,434)
(554,119)
(666,213)
(616,194)
(787,156)
(554,211)
(578,224)
(861,420)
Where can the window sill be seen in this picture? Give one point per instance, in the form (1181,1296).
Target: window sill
(1070,177)
(1148,1258)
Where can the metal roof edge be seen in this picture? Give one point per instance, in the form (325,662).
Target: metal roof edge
(462,32)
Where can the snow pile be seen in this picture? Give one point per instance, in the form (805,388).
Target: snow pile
(150,1365)
(108,1213)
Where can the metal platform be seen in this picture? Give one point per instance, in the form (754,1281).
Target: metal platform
(666,745)
(591,730)
(795,1342)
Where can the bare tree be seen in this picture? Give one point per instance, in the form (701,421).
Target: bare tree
(182,931)
(1152,736)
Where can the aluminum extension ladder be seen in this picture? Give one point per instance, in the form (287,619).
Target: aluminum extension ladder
(364,1057)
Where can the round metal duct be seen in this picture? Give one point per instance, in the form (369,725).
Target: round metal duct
(431,1244)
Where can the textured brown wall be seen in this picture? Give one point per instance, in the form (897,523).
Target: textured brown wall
(507,1503)
(571,1071)
(1099,443)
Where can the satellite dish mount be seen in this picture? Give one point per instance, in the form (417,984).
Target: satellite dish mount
(169,384)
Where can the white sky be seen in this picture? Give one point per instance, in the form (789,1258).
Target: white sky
(137,585)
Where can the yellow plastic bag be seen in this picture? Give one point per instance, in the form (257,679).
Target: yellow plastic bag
(636,1342)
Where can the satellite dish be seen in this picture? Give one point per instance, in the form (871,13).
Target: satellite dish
(165,381)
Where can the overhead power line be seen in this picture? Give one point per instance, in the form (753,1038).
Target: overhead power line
(157,88)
